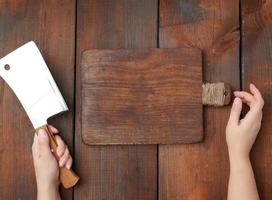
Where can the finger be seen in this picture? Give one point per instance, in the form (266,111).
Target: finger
(68,164)
(53,129)
(43,143)
(235,111)
(254,90)
(245,97)
(244,101)
(61,146)
(64,158)
(252,115)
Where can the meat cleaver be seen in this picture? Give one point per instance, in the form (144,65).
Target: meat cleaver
(27,74)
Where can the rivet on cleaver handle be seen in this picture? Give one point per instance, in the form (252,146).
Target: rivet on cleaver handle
(27,74)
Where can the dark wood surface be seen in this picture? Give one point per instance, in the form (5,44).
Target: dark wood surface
(136,96)
(130,172)
(51,24)
(115,172)
(257,68)
(200,171)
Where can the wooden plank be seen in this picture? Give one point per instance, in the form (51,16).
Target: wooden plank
(142,96)
(257,69)
(115,172)
(51,25)
(201,171)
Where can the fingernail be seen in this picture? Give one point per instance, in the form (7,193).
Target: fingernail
(236,101)
(54,129)
(42,134)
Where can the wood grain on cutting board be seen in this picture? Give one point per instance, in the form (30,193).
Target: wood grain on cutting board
(115,172)
(257,69)
(200,171)
(141,96)
(51,25)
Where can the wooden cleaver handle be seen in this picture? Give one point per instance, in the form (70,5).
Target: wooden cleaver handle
(67,177)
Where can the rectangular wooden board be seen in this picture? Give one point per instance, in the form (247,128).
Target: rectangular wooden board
(257,68)
(123,172)
(135,96)
(201,171)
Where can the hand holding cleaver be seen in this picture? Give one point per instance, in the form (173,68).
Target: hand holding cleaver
(27,74)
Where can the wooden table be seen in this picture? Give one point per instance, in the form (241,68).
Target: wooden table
(64,29)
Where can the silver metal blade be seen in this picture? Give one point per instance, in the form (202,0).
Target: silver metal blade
(32,82)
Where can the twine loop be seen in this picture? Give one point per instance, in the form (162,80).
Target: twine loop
(214,94)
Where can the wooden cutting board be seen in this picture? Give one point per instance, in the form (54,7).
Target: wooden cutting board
(141,96)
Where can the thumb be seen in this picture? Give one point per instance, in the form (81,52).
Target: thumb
(235,111)
(43,142)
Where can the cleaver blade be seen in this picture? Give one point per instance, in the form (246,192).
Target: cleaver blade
(27,74)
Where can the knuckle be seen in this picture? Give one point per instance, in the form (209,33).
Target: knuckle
(261,102)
